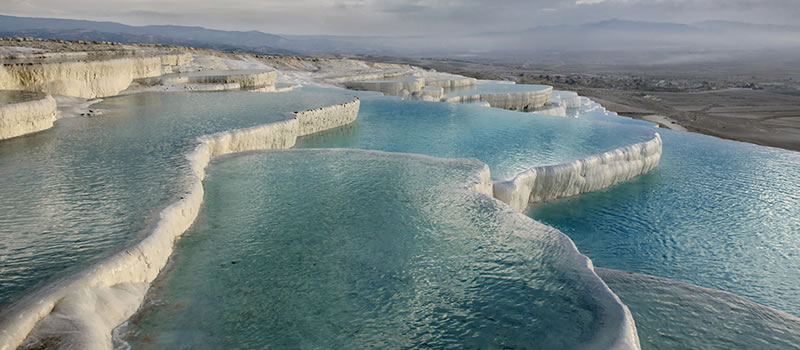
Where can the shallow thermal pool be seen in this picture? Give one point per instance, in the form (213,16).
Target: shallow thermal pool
(509,142)
(352,249)
(405,258)
(70,194)
(715,213)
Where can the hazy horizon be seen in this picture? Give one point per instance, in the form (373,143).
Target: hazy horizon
(441,18)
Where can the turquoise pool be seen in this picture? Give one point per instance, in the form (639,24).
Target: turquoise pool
(716,213)
(71,195)
(509,142)
(351,249)
(395,238)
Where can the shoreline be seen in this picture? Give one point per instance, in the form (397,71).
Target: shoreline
(759,116)
(665,122)
(675,116)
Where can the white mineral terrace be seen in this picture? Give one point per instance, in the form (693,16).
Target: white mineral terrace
(85,78)
(570,99)
(415,85)
(430,86)
(84,309)
(24,117)
(400,86)
(589,174)
(107,73)
(216,80)
(552,109)
(516,101)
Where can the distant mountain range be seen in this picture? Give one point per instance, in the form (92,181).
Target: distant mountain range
(612,34)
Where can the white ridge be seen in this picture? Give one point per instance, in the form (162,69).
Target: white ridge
(83,311)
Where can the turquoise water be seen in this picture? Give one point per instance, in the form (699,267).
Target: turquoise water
(509,142)
(71,194)
(715,213)
(348,249)
(677,316)
(485,87)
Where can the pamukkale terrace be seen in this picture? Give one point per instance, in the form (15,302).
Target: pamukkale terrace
(163,197)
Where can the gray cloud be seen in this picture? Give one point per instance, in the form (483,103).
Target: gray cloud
(395,17)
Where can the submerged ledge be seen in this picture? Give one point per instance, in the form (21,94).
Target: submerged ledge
(82,311)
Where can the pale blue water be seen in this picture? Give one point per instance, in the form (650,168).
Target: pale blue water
(486,87)
(678,316)
(70,195)
(350,250)
(715,213)
(509,142)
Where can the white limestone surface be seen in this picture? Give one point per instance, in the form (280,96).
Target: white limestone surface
(523,100)
(485,185)
(245,79)
(552,109)
(340,74)
(431,93)
(422,85)
(402,86)
(570,99)
(329,117)
(87,79)
(81,312)
(589,174)
(448,81)
(22,118)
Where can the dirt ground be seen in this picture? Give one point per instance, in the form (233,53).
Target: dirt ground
(757,116)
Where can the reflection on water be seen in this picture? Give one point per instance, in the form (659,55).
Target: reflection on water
(716,213)
(509,142)
(675,315)
(70,194)
(352,250)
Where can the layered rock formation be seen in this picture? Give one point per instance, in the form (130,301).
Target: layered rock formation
(25,117)
(217,80)
(552,109)
(401,86)
(422,85)
(516,101)
(570,99)
(84,78)
(589,174)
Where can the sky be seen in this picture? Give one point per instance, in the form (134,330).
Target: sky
(401,18)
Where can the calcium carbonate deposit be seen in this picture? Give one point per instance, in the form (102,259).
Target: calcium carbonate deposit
(167,217)
(23,113)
